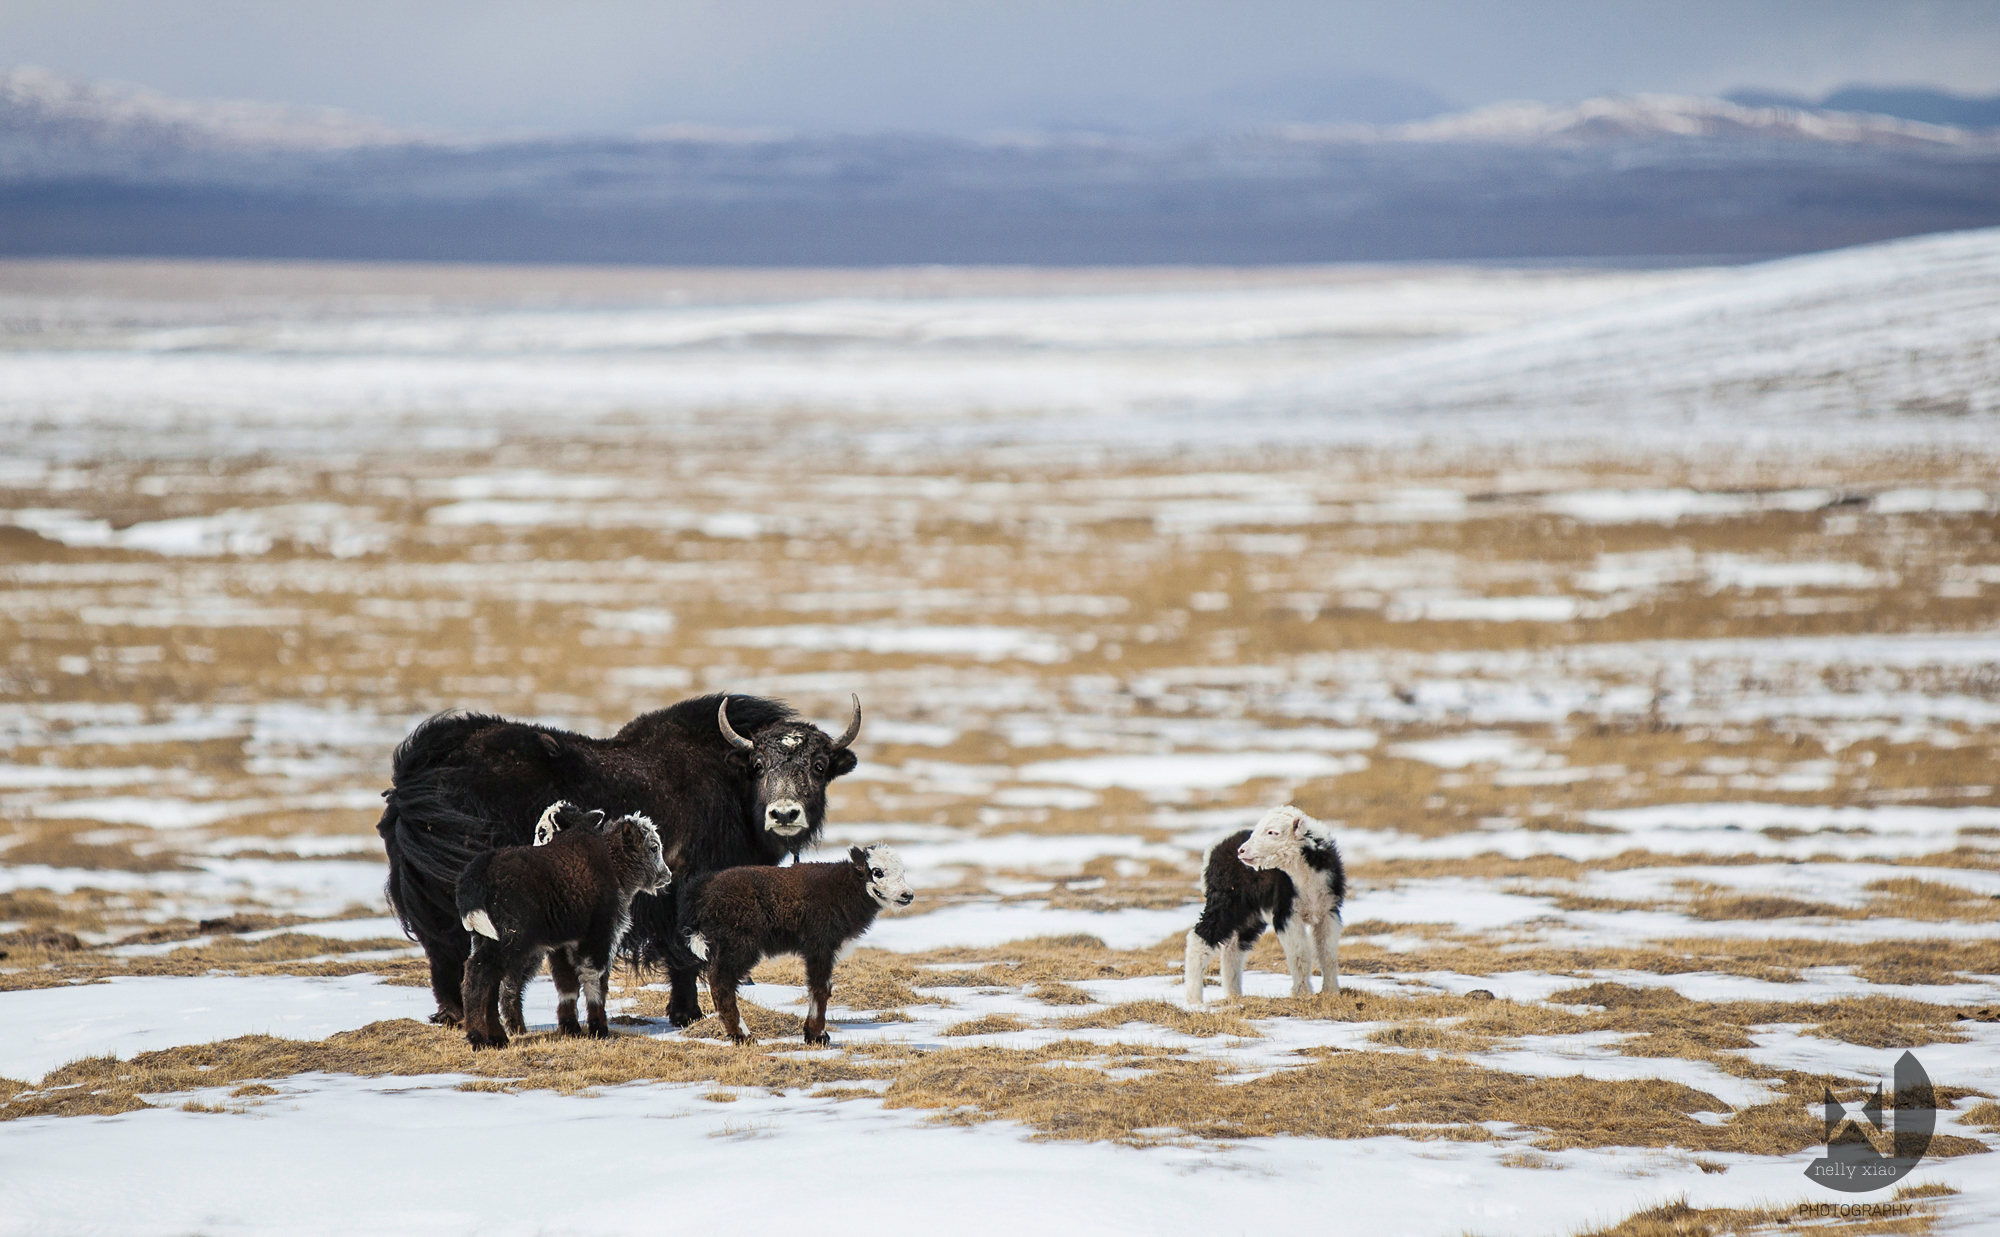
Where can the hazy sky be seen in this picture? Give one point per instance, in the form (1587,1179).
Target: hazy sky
(979,65)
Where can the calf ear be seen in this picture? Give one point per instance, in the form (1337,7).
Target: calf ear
(594,818)
(858,857)
(843,761)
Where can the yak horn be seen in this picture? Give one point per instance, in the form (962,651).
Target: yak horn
(853,727)
(728,731)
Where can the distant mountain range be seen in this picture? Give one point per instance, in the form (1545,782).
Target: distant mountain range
(1936,107)
(87,169)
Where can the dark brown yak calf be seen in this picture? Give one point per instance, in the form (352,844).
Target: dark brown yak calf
(568,901)
(740,916)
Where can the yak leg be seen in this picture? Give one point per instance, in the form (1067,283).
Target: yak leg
(483,972)
(447,961)
(1326,938)
(594,973)
(819,985)
(562,966)
(1298,954)
(684,1001)
(1195,968)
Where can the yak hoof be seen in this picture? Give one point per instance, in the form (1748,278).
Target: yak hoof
(481,1041)
(445,1018)
(743,1040)
(682,1018)
(823,1040)
(600,1032)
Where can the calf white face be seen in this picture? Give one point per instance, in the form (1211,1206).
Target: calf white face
(1275,840)
(658,875)
(884,869)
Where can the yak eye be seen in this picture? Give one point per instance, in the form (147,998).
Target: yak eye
(819,766)
(876,871)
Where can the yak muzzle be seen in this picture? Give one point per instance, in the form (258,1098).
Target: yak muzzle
(786,817)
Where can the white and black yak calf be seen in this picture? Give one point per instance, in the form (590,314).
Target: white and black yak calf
(568,900)
(1286,870)
(738,917)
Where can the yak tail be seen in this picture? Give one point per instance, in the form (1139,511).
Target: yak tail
(429,842)
(473,890)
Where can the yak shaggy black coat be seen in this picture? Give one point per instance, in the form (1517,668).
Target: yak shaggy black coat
(745,915)
(466,783)
(568,901)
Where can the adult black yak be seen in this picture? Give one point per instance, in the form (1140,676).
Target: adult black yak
(728,781)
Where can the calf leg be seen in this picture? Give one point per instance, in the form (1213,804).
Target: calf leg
(447,961)
(517,979)
(819,985)
(1298,954)
(594,972)
(1326,938)
(1195,968)
(1232,967)
(722,982)
(483,972)
(562,966)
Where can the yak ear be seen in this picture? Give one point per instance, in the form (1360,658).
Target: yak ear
(843,762)
(858,857)
(594,818)
(550,743)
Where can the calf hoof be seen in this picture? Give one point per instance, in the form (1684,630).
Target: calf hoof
(822,1040)
(572,1031)
(745,1041)
(600,1032)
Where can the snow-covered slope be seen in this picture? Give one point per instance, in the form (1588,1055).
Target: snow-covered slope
(51,124)
(1898,332)
(1627,117)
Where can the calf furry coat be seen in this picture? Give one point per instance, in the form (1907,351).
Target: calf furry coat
(569,901)
(1286,870)
(736,918)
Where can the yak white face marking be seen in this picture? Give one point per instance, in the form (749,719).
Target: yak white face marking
(482,923)
(786,817)
(1275,840)
(792,740)
(886,883)
(545,828)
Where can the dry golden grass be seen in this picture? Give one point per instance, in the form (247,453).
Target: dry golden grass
(1911,898)
(1338,1095)
(288,953)
(376,631)
(1200,1022)
(1677,1219)
(991,1024)
(1779,960)
(1984,1116)
(1056,992)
